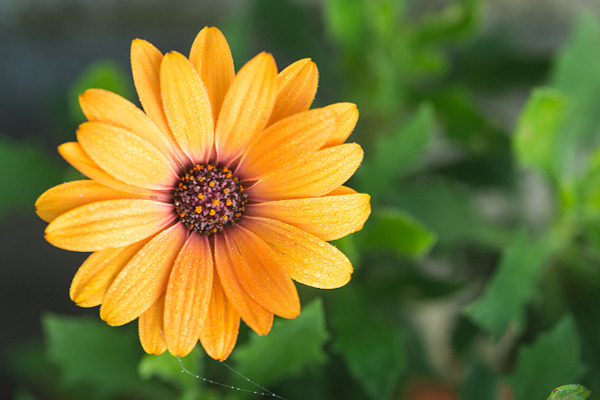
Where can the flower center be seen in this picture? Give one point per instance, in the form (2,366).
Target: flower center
(209,198)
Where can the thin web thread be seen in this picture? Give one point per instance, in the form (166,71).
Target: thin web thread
(266,392)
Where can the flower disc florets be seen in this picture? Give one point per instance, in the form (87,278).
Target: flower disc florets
(209,198)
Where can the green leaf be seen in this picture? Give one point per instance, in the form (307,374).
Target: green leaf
(554,358)
(480,383)
(289,26)
(512,287)
(535,141)
(570,392)
(103,74)
(167,368)
(93,356)
(398,153)
(27,171)
(577,74)
(396,230)
(343,20)
(371,347)
(448,210)
(290,347)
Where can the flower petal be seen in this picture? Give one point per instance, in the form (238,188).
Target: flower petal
(73,153)
(97,273)
(261,274)
(219,330)
(67,196)
(103,106)
(145,66)
(296,89)
(247,107)
(188,295)
(347,116)
(308,259)
(328,169)
(341,190)
(255,316)
(187,107)
(144,279)
(288,142)
(126,156)
(329,217)
(108,224)
(150,327)
(211,57)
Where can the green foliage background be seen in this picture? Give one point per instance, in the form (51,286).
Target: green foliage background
(478,273)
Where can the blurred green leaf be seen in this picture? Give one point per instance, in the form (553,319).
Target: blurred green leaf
(448,210)
(371,347)
(287,26)
(535,140)
(93,356)
(576,73)
(290,347)
(27,173)
(103,74)
(456,20)
(480,383)
(554,357)
(397,154)
(569,392)
(396,230)
(343,20)
(168,369)
(465,124)
(512,287)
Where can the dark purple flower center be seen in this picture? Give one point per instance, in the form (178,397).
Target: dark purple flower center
(209,198)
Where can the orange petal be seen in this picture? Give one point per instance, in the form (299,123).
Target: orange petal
(108,224)
(187,107)
(150,327)
(188,295)
(308,259)
(211,57)
(97,273)
(219,330)
(255,316)
(73,153)
(103,106)
(246,107)
(144,279)
(328,169)
(67,196)
(329,217)
(261,274)
(145,66)
(296,89)
(341,190)
(287,143)
(126,156)
(347,116)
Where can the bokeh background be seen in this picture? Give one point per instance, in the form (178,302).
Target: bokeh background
(478,274)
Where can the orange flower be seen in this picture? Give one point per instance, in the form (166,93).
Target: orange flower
(202,209)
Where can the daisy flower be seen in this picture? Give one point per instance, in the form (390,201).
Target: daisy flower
(203,208)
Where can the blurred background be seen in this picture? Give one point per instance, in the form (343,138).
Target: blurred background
(478,273)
